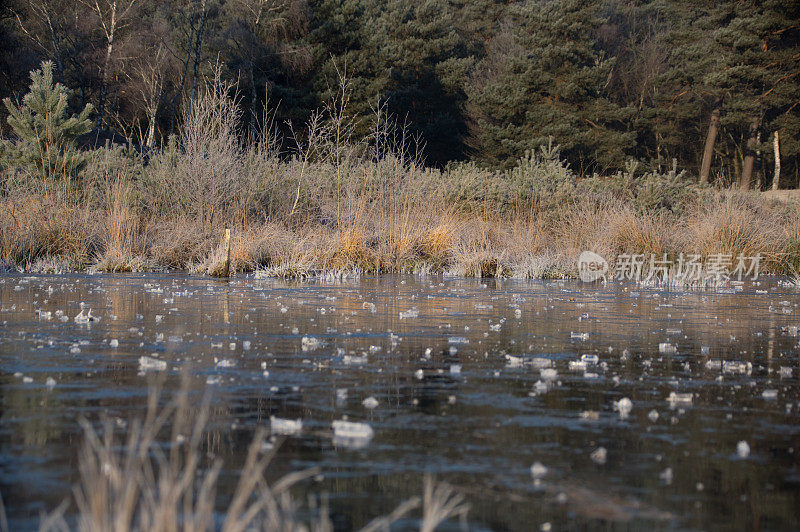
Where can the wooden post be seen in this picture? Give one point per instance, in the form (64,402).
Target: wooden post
(226,270)
(776,179)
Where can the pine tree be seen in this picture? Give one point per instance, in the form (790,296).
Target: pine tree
(544,77)
(45,148)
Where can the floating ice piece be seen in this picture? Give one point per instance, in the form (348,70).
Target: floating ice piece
(590,415)
(351,434)
(225,363)
(370,403)
(785,372)
(457,340)
(624,407)
(539,362)
(496,327)
(354,360)
(374,349)
(27,380)
(743,449)
(514,361)
(713,364)
(370,306)
(246,345)
(455,369)
(667,348)
(666,475)
(86,318)
(113,342)
(517,313)
(676,398)
(653,416)
(579,336)
(309,343)
(792,330)
(548,374)
(419,374)
(538,470)
(770,395)
(599,455)
(44,315)
(286,427)
(590,359)
(540,388)
(50,383)
(410,313)
(730,366)
(577,365)
(146,363)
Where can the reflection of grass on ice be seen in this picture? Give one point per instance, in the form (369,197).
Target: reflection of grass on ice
(137,481)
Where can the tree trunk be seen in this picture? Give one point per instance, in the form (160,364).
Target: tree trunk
(708,151)
(101,104)
(750,156)
(776,179)
(197,50)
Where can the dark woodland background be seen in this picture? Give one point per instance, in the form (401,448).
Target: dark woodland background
(483,80)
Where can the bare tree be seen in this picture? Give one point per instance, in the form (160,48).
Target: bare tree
(113,15)
(150,74)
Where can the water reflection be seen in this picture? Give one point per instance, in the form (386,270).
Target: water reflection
(480,427)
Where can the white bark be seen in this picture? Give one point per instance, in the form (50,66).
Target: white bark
(776,180)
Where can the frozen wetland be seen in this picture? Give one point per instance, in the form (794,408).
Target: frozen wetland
(546,404)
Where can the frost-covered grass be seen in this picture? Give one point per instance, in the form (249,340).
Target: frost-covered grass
(332,205)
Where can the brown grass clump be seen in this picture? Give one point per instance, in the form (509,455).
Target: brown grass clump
(435,247)
(627,231)
(732,224)
(351,251)
(33,228)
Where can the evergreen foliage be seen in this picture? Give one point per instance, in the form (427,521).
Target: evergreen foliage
(45,147)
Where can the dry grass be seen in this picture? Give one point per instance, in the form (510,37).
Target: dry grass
(33,228)
(369,206)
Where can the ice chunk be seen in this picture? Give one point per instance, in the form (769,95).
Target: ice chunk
(538,470)
(743,449)
(590,359)
(309,343)
(410,313)
(287,427)
(676,398)
(577,365)
(769,395)
(599,455)
(147,363)
(548,374)
(624,407)
(351,434)
(370,403)
(667,348)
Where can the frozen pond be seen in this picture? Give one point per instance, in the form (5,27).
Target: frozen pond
(632,401)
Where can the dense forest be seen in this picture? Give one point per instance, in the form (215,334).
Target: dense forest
(486,80)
